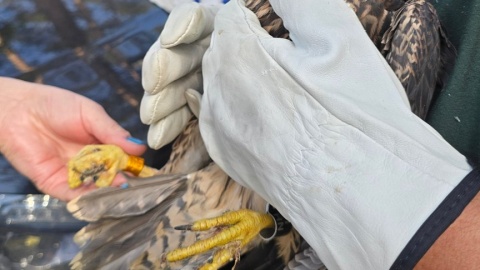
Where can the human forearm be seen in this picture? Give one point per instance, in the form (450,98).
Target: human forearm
(457,247)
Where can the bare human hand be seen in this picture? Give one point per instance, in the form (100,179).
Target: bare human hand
(42,127)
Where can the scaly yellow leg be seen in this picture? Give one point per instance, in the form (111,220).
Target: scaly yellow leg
(100,164)
(243,226)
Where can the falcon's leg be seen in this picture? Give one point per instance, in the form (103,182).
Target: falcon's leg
(100,164)
(238,229)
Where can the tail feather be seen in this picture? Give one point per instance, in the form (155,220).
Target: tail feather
(132,228)
(119,241)
(141,239)
(110,202)
(87,233)
(118,263)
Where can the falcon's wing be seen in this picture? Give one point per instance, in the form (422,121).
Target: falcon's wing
(134,227)
(140,239)
(418,51)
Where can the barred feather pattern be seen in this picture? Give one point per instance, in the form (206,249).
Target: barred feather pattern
(373,16)
(268,19)
(188,152)
(135,232)
(419,52)
(201,189)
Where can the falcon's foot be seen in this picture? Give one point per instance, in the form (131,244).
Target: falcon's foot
(100,163)
(238,228)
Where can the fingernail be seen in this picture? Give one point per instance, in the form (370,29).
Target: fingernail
(135,140)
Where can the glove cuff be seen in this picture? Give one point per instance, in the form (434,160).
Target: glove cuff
(445,214)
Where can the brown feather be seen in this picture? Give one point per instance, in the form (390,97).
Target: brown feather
(373,16)
(418,50)
(188,152)
(140,238)
(203,190)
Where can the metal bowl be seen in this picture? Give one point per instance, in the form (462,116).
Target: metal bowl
(36,232)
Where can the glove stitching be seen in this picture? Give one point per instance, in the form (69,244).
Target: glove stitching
(157,87)
(152,116)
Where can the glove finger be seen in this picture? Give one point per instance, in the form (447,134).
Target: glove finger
(194,99)
(338,50)
(166,130)
(347,83)
(330,41)
(328,17)
(170,99)
(163,66)
(188,23)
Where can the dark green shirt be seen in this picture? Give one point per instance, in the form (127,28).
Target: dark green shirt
(456,111)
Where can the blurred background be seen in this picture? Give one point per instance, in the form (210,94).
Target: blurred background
(94,48)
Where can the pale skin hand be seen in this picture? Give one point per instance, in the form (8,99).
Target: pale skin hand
(42,127)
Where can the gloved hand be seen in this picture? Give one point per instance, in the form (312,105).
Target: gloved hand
(320,127)
(169,5)
(171,66)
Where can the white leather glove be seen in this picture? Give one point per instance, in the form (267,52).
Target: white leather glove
(169,5)
(319,126)
(171,66)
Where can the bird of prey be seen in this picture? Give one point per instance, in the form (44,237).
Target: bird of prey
(418,50)
(134,227)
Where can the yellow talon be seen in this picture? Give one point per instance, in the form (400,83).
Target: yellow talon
(100,164)
(243,226)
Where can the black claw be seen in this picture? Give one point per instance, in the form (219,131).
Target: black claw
(183,227)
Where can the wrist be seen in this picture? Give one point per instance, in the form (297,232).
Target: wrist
(439,221)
